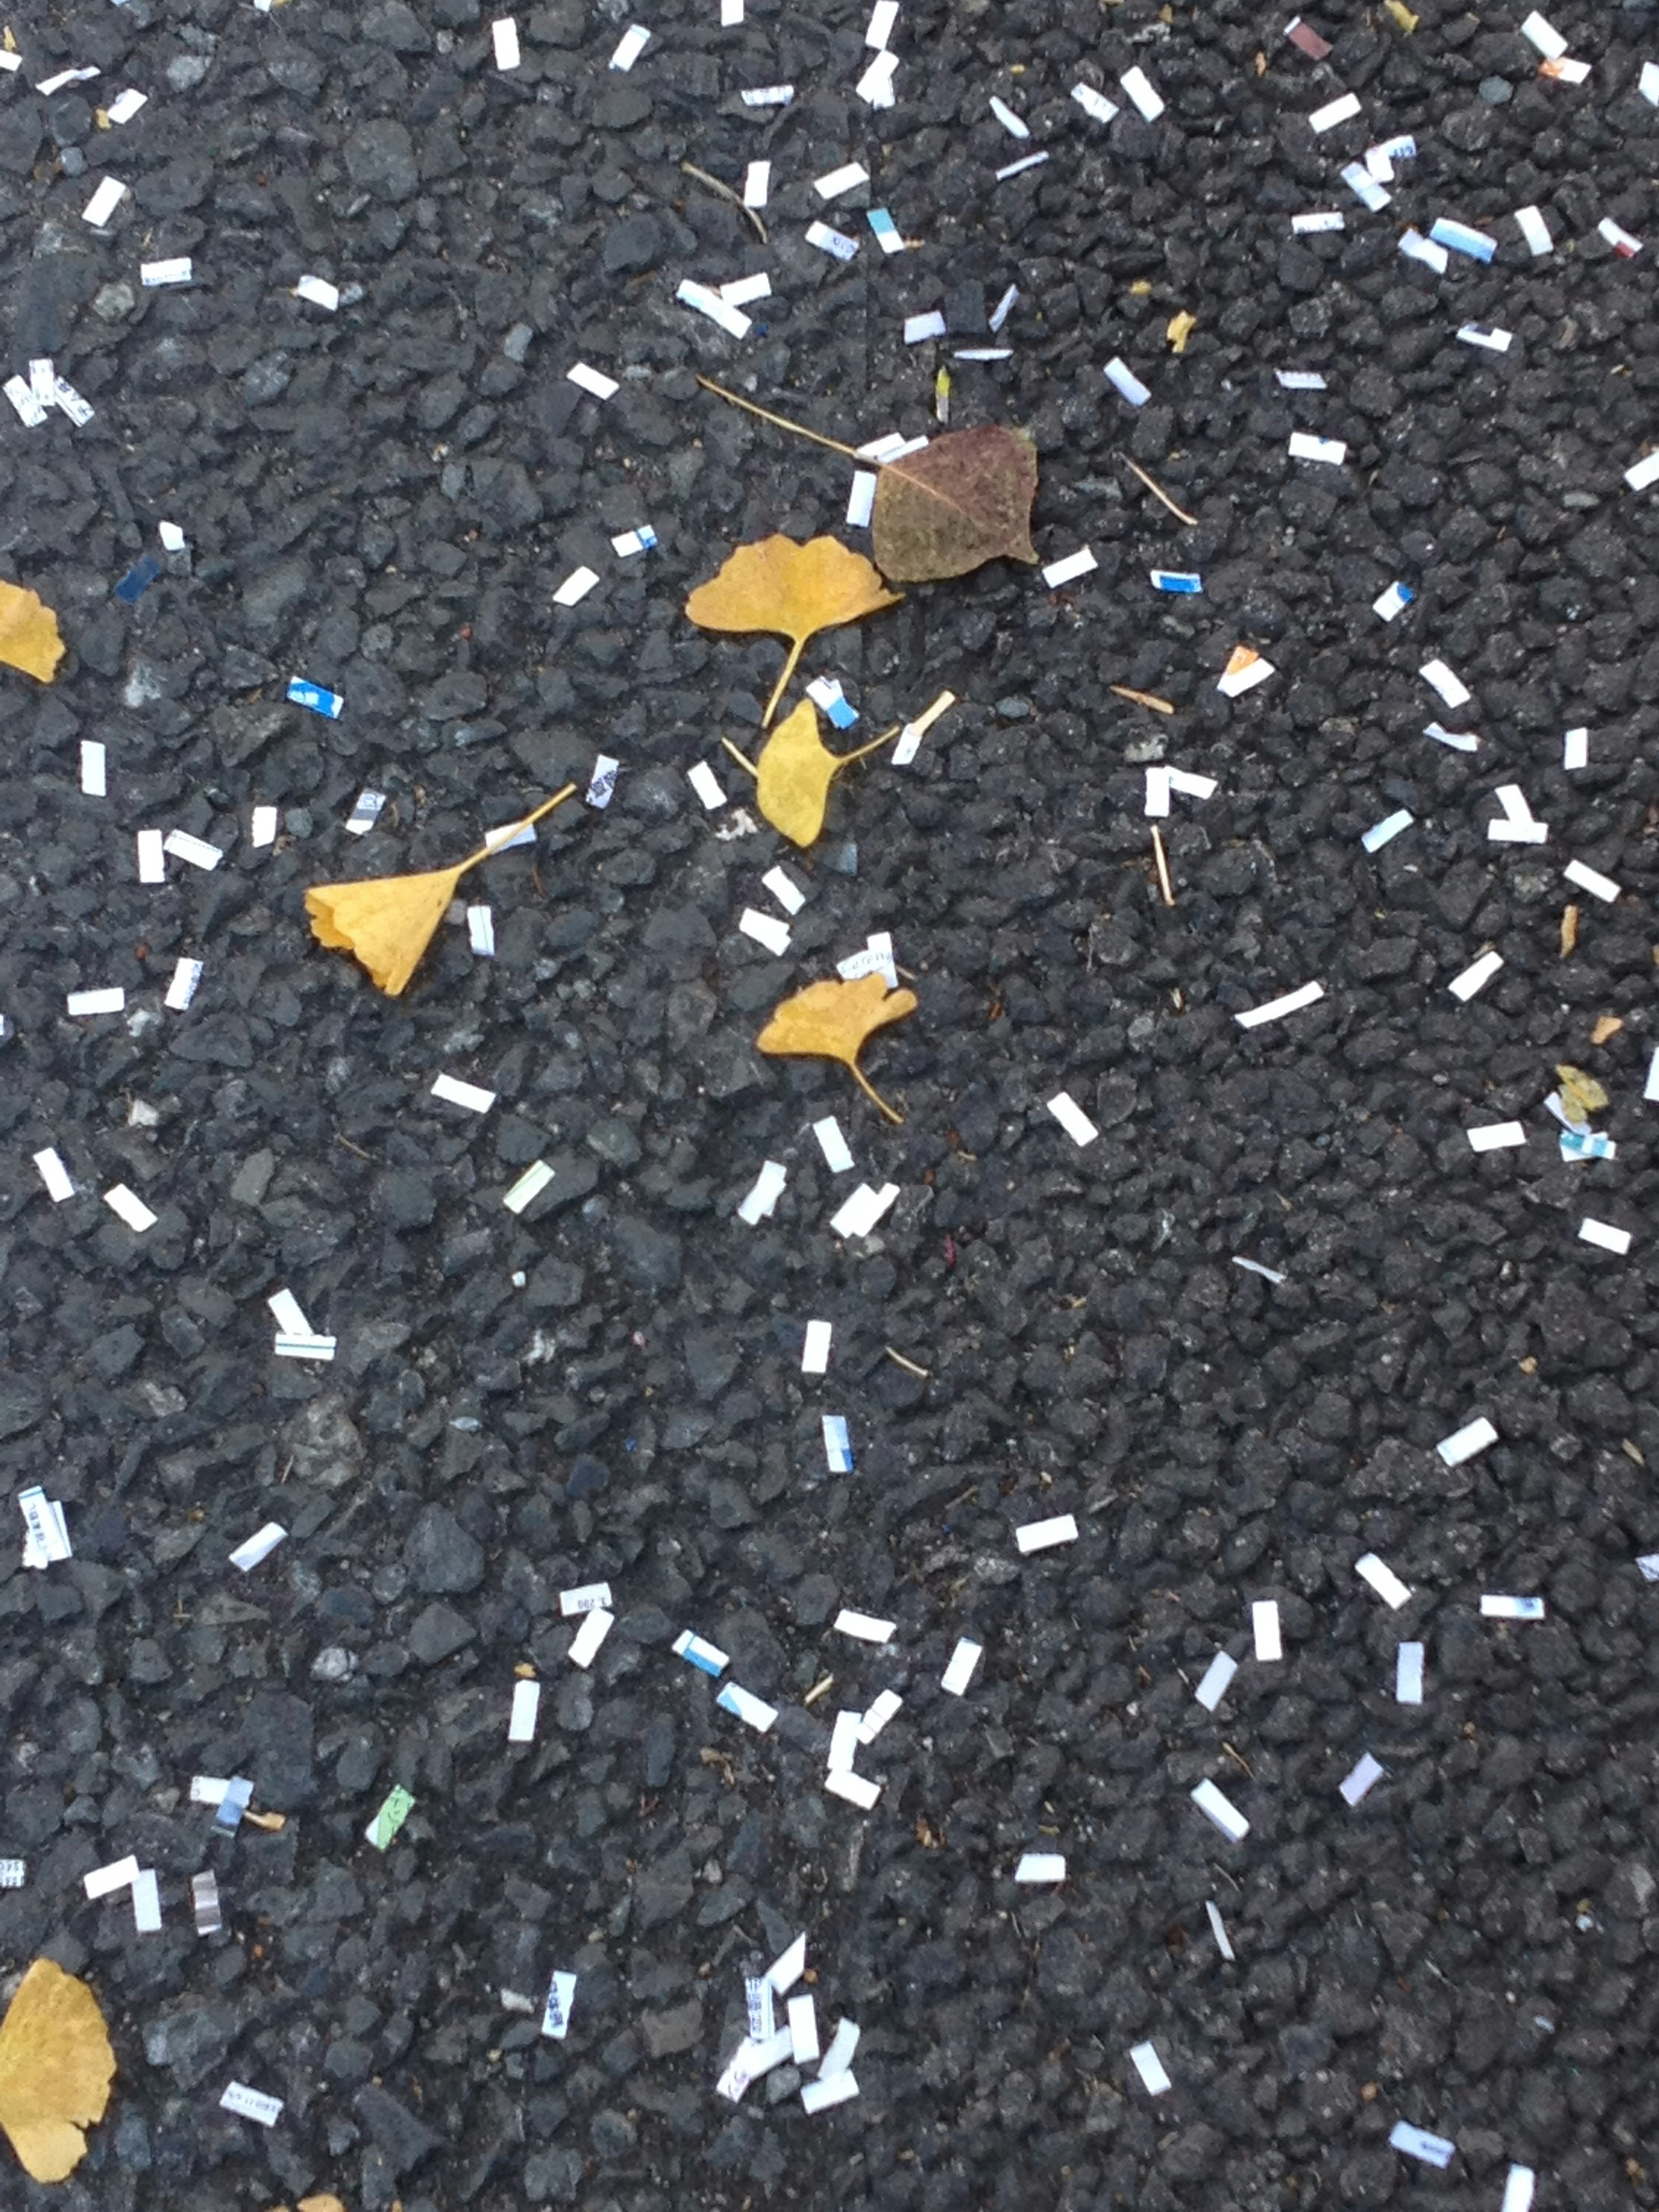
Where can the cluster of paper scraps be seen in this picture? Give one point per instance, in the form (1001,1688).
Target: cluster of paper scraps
(935,508)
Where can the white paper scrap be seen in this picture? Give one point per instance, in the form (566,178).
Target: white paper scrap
(1496,1136)
(581,581)
(555,2016)
(766,930)
(1039,1535)
(918,329)
(836,2089)
(1119,375)
(861,500)
(1225,1815)
(960,1672)
(1138,86)
(530,1184)
(1041,1866)
(1072,1118)
(109,1000)
(1367,1772)
(586,1597)
(632,44)
(756,184)
(1068,569)
(1150,2067)
(1591,880)
(1382,1579)
(1476,1436)
(1276,1009)
(94,769)
(1342,110)
(815,1350)
(1316,220)
(786,1969)
(731,320)
(1408,1673)
(591,379)
(882,18)
(857,1789)
(863,1626)
(705,784)
(1644,472)
(859,1214)
(104,201)
(1219,1929)
(1476,977)
(832,1144)
(259,1546)
(106,1880)
(1245,669)
(196,850)
(1218,1677)
(1545,36)
(875,87)
(1440,678)
(837,1444)
(764,1192)
(744,1705)
(1305,446)
(55,1175)
(1512,1608)
(882,1707)
(1574,748)
(1384,832)
(839,182)
(126,105)
(843,2046)
(252,2105)
(131,1208)
(154,275)
(1519,2183)
(1095,105)
(319,292)
(584,1644)
(1416,2142)
(262,829)
(454,1092)
(1604,1235)
(1264,1626)
(835,243)
(521,1721)
(803,2030)
(187,975)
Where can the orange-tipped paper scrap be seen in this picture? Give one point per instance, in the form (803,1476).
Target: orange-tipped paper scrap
(388,921)
(29,633)
(56,2066)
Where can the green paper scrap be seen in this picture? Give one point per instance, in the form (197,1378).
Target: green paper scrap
(390,1817)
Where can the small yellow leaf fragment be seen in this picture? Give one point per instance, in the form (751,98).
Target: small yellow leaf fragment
(321,2204)
(1179,329)
(1581,1094)
(1569,931)
(272,1823)
(1141,288)
(1261,63)
(525,1671)
(1606,1025)
(101,117)
(29,633)
(831,1021)
(1402,13)
(56,2066)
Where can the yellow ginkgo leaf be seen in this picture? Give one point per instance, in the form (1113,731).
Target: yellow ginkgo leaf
(795,771)
(791,590)
(29,633)
(321,2204)
(831,1021)
(388,920)
(56,2066)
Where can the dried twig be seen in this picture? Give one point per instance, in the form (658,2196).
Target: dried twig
(1163,868)
(742,759)
(782,421)
(726,192)
(909,1365)
(1158,492)
(1143,698)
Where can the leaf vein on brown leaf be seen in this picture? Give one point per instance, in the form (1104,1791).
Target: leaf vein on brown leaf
(963,500)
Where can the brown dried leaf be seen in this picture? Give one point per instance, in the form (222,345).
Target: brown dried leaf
(29,633)
(831,1021)
(1606,1025)
(794,773)
(56,2066)
(1581,1094)
(961,502)
(791,590)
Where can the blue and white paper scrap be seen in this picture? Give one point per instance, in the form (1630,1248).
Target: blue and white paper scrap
(837,1443)
(555,2016)
(314,696)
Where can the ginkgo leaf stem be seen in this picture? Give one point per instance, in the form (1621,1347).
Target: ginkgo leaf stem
(797,647)
(782,421)
(873,1095)
(1158,492)
(844,760)
(495,844)
(742,759)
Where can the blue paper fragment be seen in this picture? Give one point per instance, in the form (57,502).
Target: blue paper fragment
(138,579)
(302,694)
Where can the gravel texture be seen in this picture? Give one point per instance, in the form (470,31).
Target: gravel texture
(383,499)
